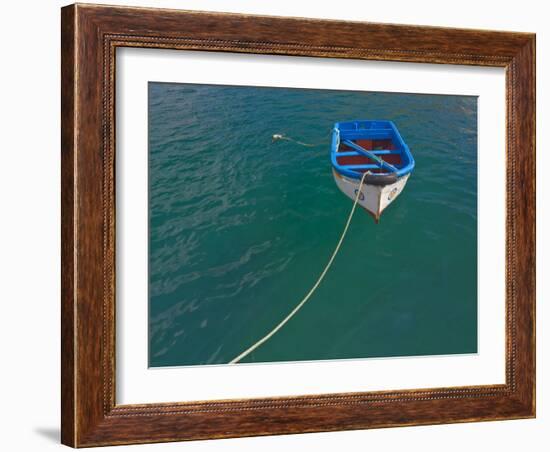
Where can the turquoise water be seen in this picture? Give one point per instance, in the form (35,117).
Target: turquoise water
(240,228)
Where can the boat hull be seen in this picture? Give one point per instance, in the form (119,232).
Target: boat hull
(373,198)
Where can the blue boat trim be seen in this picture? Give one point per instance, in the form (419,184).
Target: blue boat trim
(344,132)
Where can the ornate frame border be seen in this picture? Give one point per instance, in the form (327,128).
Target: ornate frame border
(90,36)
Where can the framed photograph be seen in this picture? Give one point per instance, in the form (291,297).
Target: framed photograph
(281,225)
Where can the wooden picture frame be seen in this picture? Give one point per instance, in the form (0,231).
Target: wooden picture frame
(90,36)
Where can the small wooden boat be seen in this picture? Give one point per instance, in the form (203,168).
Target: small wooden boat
(374,147)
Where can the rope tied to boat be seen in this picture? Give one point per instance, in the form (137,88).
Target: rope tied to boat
(315,286)
(281,137)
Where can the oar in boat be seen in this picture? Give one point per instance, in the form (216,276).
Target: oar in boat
(370,155)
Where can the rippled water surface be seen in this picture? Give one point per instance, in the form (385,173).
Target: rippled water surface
(240,228)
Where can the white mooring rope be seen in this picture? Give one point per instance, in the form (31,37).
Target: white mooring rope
(313,289)
(280,136)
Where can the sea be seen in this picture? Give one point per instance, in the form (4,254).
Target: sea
(240,227)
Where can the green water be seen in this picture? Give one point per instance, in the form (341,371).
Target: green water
(241,228)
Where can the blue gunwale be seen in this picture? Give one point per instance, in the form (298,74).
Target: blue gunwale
(375,130)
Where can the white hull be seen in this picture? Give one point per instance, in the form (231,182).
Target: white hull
(374,198)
